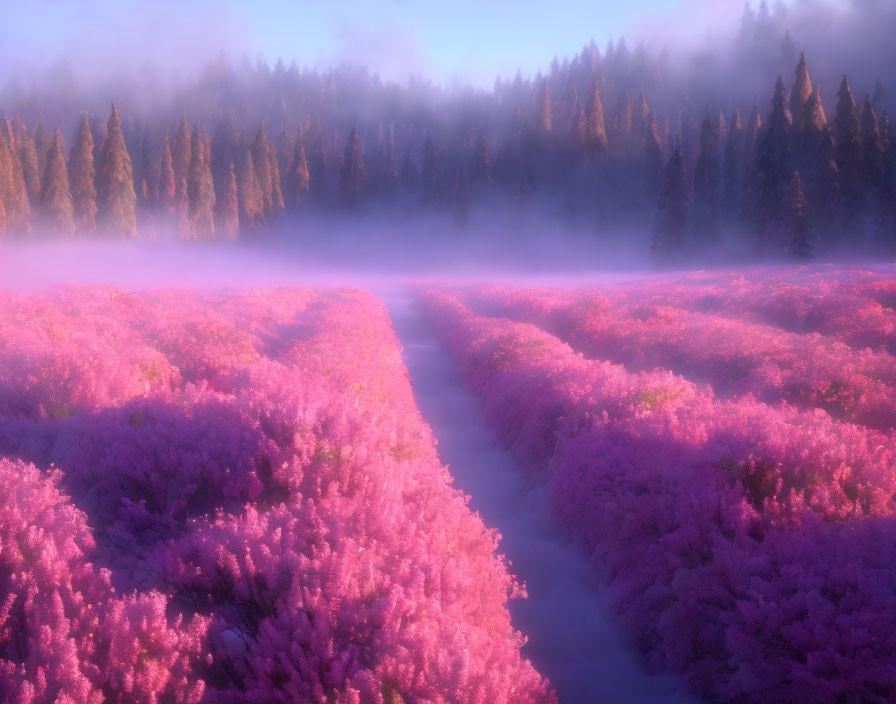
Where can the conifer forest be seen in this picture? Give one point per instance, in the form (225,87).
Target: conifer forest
(340,364)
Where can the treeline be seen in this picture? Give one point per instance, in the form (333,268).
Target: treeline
(602,138)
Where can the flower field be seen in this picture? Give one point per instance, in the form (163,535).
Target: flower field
(722,448)
(232,498)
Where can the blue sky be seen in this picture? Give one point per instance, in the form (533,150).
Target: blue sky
(470,40)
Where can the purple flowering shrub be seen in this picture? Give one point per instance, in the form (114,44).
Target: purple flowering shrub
(749,546)
(261,513)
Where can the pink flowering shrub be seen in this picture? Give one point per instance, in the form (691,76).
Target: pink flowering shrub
(750,547)
(736,357)
(64,634)
(271,508)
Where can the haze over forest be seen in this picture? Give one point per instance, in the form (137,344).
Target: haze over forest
(771,137)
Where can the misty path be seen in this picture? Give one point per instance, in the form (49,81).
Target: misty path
(566,616)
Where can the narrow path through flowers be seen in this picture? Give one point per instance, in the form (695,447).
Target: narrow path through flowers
(567,618)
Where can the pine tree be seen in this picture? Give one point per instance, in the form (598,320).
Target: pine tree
(261,158)
(167,193)
(13,193)
(56,200)
(653,159)
(389,174)
(706,218)
(671,218)
(595,132)
(578,126)
(771,175)
(251,201)
(543,108)
(480,164)
(82,177)
(352,175)
(848,142)
(181,154)
(296,180)
(228,206)
(430,174)
(801,90)
(225,150)
(200,188)
(799,243)
(28,156)
(733,165)
(41,145)
(116,199)
(872,154)
(276,190)
(319,168)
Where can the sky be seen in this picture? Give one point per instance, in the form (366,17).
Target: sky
(466,41)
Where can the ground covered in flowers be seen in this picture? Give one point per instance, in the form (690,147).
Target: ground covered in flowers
(722,447)
(232,498)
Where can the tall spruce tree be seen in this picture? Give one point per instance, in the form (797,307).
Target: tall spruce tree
(296,180)
(543,108)
(430,175)
(848,143)
(772,170)
(276,188)
(653,159)
(733,168)
(480,164)
(800,91)
(56,199)
(181,155)
(799,242)
(200,188)
(595,130)
(352,174)
(706,222)
(28,156)
(671,217)
(167,192)
(227,206)
(116,199)
(251,200)
(261,158)
(82,177)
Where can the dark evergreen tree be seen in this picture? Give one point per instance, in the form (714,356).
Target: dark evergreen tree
(13,193)
(251,200)
(543,108)
(28,156)
(430,173)
(56,199)
(801,90)
(653,159)
(167,191)
(799,242)
(595,131)
(771,175)
(276,190)
(352,174)
(480,164)
(41,141)
(116,199)
(671,217)
(82,177)
(296,180)
(200,188)
(706,223)
(261,158)
(228,207)
(732,182)
(181,155)
(578,127)
(848,142)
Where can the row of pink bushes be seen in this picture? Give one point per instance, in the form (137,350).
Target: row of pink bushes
(854,306)
(737,357)
(237,501)
(750,548)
